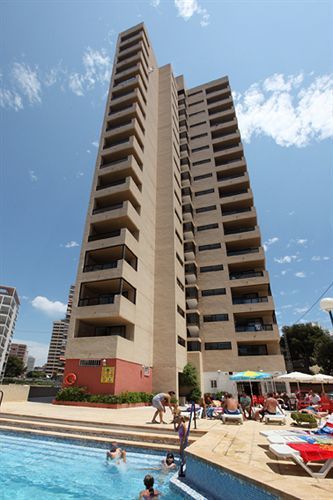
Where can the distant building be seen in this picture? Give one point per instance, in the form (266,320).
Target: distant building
(31,363)
(55,359)
(20,351)
(9,306)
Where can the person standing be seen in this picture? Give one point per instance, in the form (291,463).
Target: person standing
(159,402)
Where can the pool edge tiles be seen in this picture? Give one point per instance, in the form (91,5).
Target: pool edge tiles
(220,480)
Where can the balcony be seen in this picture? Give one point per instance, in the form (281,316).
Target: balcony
(238,215)
(221,139)
(115,192)
(119,150)
(192,296)
(98,293)
(127,99)
(258,327)
(127,112)
(241,234)
(235,197)
(191,273)
(229,180)
(222,112)
(121,176)
(117,131)
(193,324)
(248,277)
(189,250)
(108,258)
(194,345)
(131,70)
(231,153)
(187,212)
(243,251)
(188,231)
(252,303)
(116,218)
(126,54)
(218,102)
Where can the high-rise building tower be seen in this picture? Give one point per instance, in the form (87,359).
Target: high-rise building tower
(171,268)
(9,306)
(56,355)
(20,351)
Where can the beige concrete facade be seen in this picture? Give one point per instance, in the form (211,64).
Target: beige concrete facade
(171,254)
(9,307)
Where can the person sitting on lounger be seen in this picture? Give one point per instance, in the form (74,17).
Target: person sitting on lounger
(245,402)
(231,406)
(314,410)
(270,407)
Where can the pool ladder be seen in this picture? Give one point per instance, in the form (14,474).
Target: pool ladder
(1,397)
(193,416)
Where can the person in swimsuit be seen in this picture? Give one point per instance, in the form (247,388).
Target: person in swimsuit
(149,492)
(160,401)
(116,453)
(180,427)
(271,406)
(231,406)
(169,463)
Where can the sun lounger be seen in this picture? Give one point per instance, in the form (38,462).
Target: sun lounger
(278,417)
(290,438)
(187,413)
(228,417)
(285,451)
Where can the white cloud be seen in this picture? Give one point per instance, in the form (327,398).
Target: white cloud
(284,272)
(71,244)
(76,84)
(51,308)
(97,69)
(292,116)
(33,176)
(79,174)
(27,81)
(300,274)
(287,306)
(300,310)
(316,258)
(155,3)
(292,212)
(301,241)
(186,9)
(95,144)
(36,349)
(9,99)
(287,259)
(270,242)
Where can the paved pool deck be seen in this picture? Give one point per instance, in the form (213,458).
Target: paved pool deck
(240,449)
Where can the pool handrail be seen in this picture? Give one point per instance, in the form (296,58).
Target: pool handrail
(181,472)
(1,397)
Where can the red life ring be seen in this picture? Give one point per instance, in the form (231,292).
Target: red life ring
(70,379)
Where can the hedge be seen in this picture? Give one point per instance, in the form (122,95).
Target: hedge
(81,394)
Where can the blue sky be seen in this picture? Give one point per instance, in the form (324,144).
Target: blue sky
(55,64)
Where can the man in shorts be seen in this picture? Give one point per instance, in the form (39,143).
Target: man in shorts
(159,402)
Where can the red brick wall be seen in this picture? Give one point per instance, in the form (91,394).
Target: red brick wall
(128,377)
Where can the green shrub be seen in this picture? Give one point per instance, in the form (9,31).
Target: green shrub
(73,394)
(195,395)
(304,418)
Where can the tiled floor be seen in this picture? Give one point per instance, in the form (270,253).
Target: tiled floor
(239,448)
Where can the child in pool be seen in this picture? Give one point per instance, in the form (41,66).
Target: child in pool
(149,492)
(116,453)
(168,463)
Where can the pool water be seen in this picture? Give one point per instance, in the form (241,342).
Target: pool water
(44,468)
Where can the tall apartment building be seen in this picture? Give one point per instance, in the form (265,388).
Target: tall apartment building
(20,351)
(30,363)
(56,355)
(9,306)
(171,267)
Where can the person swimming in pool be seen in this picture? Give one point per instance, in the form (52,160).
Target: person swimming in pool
(116,453)
(168,463)
(149,493)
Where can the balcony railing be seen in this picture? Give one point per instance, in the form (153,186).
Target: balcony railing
(111,184)
(115,162)
(239,230)
(254,328)
(241,252)
(229,177)
(255,300)
(102,236)
(233,193)
(116,206)
(218,149)
(117,143)
(245,275)
(238,211)
(99,267)
(100,299)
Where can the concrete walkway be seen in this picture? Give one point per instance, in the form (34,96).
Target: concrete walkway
(238,448)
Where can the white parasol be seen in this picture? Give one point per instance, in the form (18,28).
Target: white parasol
(294,377)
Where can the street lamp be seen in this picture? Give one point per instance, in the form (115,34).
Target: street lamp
(326,304)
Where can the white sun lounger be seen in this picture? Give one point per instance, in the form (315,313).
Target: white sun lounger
(187,413)
(228,417)
(283,432)
(278,417)
(285,451)
(288,438)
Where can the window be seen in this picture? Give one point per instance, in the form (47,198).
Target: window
(198,136)
(215,346)
(195,150)
(180,284)
(209,269)
(181,341)
(211,318)
(211,246)
(197,124)
(180,311)
(201,162)
(208,226)
(213,384)
(194,346)
(206,191)
(179,259)
(196,102)
(252,350)
(203,176)
(90,362)
(205,209)
(213,291)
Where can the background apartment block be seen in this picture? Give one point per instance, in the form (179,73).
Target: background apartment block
(20,351)
(56,355)
(171,267)
(9,306)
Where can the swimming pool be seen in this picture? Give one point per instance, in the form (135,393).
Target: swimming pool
(44,468)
